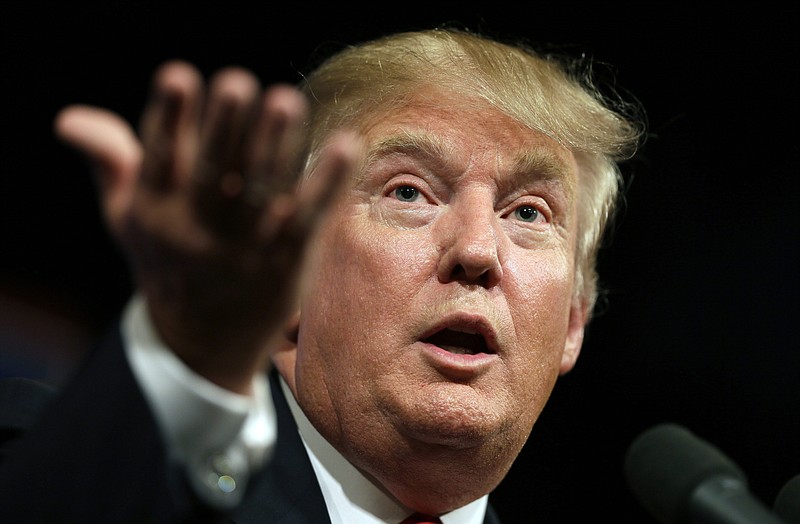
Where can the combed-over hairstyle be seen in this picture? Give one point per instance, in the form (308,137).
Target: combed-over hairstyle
(539,91)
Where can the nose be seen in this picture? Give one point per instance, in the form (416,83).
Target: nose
(471,246)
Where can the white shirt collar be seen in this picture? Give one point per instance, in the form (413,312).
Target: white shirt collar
(351,498)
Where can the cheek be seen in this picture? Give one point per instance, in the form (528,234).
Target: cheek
(353,315)
(539,303)
(363,279)
(541,284)
(388,266)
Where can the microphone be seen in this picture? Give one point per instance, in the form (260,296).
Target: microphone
(787,503)
(682,479)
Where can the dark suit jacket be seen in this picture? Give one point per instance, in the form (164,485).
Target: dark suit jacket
(94,454)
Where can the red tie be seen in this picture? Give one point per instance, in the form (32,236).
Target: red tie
(419,518)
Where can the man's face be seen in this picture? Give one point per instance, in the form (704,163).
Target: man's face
(440,310)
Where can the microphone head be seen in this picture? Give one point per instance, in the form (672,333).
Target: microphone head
(666,463)
(787,503)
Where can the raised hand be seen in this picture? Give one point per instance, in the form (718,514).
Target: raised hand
(208,206)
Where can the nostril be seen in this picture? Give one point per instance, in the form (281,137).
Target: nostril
(458,273)
(485,276)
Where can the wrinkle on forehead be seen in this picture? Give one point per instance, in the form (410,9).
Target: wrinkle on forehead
(542,161)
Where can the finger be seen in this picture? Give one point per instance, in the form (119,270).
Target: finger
(218,179)
(330,177)
(169,125)
(111,146)
(273,146)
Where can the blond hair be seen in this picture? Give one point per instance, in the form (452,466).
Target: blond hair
(540,91)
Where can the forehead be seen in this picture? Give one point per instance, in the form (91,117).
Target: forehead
(461,132)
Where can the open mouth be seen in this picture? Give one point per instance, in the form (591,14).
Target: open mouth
(459,342)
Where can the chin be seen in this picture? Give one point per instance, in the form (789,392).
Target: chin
(454,416)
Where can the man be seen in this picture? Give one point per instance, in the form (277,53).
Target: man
(418,292)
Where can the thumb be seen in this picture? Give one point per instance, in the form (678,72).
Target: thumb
(113,149)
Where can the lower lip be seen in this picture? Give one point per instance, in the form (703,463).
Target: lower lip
(458,366)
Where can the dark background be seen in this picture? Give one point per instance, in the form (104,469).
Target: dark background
(701,268)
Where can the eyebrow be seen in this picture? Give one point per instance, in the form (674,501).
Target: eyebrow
(542,163)
(410,143)
(535,164)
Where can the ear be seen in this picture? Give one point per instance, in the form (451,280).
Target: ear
(284,355)
(578,315)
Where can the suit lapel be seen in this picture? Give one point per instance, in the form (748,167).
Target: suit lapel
(287,490)
(491,516)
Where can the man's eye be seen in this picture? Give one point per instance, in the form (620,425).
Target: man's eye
(406,193)
(526,213)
